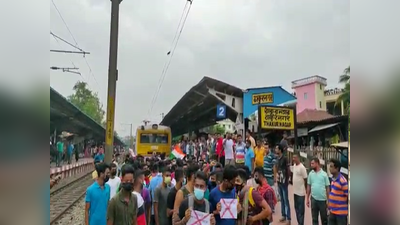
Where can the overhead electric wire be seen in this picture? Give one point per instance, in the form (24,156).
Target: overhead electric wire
(166,62)
(66,42)
(76,43)
(174,44)
(80,74)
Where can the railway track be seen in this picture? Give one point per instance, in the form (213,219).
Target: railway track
(62,199)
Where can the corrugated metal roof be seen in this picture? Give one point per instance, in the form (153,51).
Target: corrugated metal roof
(67,117)
(197,102)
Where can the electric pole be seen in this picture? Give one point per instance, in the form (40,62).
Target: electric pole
(112,79)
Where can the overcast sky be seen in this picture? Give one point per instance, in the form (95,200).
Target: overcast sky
(241,42)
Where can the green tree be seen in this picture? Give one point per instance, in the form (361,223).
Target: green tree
(87,101)
(345,96)
(217,129)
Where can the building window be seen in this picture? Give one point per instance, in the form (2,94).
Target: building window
(320,87)
(320,104)
(305,96)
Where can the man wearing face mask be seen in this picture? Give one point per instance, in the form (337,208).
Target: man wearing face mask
(225,190)
(123,208)
(188,187)
(195,202)
(212,183)
(97,197)
(161,197)
(255,210)
(114,181)
(266,191)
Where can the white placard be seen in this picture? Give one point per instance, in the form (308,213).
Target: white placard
(303,154)
(228,208)
(344,170)
(199,218)
(290,150)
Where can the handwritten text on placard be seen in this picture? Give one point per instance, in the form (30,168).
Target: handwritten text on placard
(199,218)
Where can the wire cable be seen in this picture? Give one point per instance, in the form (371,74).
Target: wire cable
(58,42)
(166,62)
(66,42)
(171,53)
(76,43)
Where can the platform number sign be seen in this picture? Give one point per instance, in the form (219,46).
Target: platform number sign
(221,111)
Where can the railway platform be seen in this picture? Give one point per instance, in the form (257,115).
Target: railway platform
(277,216)
(68,170)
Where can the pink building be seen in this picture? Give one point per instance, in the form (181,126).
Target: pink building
(310,93)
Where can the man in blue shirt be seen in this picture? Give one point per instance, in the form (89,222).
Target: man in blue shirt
(70,150)
(249,157)
(99,156)
(226,190)
(154,183)
(97,197)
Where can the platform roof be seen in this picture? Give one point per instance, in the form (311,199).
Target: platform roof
(64,116)
(197,108)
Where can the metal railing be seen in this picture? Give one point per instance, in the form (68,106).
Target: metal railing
(306,155)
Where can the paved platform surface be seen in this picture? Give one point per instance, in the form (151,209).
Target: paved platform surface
(277,216)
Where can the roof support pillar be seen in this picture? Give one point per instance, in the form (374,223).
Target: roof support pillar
(233,102)
(55,136)
(239,124)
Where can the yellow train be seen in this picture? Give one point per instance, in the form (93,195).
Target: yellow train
(153,138)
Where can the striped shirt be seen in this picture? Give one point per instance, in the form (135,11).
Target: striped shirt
(240,152)
(269,162)
(338,196)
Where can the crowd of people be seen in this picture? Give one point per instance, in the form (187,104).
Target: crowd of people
(220,181)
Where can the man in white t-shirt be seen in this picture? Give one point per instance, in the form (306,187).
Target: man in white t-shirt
(229,148)
(114,181)
(299,188)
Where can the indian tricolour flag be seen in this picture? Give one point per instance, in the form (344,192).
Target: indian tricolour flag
(177,153)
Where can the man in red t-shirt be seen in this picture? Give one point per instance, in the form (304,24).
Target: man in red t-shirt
(220,150)
(266,191)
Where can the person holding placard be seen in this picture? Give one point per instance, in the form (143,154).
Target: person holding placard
(195,209)
(222,193)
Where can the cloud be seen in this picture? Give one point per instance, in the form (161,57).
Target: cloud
(245,43)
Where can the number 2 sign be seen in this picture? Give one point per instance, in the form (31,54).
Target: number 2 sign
(221,111)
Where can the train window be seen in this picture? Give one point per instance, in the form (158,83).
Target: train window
(154,138)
